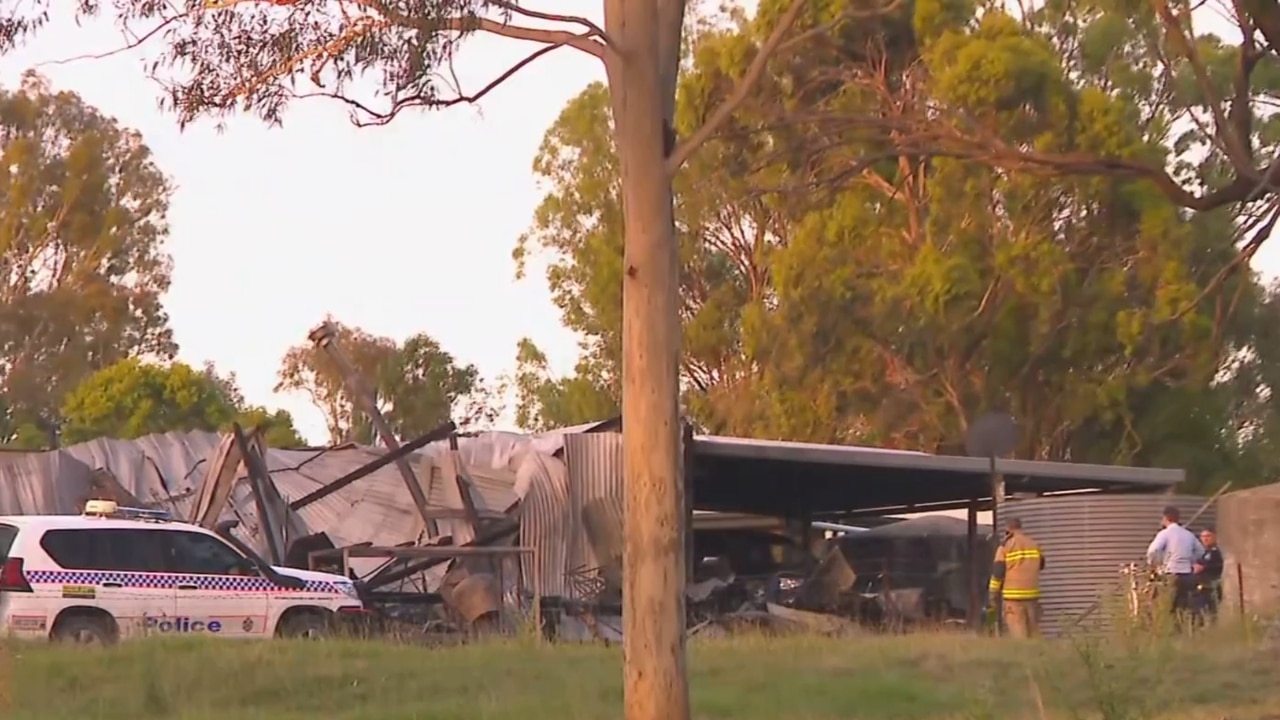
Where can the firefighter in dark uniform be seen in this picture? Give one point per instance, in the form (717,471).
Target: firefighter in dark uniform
(1208,575)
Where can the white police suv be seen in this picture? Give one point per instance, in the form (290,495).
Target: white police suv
(118,572)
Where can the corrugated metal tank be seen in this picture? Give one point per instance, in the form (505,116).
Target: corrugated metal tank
(1087,539)
(1250,538)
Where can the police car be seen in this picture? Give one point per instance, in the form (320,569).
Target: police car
(116,572)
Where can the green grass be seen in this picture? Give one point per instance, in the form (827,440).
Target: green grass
(924,677)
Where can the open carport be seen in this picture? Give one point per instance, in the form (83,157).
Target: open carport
(811,482)
(800,479)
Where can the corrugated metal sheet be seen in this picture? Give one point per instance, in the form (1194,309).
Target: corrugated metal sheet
(9,456)
(375,509)
(595,485)
(493,490)
(546,522)
(51,482)
(167,469)
(1087,539)
(1250,538)
(161,469)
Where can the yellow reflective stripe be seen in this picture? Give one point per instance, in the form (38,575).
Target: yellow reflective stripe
(994,584)
(1021,594)
(1022,555)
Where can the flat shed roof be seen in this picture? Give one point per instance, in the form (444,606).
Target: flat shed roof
(772,477)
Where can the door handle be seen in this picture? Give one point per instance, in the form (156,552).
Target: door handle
(188,587)
(112,585)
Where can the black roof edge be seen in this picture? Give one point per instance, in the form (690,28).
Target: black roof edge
(745,449)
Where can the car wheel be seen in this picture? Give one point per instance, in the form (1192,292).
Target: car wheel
(305,626)
(83,630)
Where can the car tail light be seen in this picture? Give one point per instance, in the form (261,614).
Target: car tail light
(12,578)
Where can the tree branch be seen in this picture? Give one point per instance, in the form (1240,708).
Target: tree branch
(551,39)
(750,78)
(939,131)
(132,44)
(557,38)
(362,26)
(382,118)
(680,155)
(1233,146)
(1260,231)
(593,30)
(583,42)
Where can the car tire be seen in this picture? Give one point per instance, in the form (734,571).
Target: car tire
(305,626)
(83,630)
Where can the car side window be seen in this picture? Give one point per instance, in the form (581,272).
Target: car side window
(117,550)
(130,550)
(198,554)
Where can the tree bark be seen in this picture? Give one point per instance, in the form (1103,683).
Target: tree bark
(655,686)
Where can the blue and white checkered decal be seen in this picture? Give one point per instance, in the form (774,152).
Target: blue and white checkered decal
(163,581)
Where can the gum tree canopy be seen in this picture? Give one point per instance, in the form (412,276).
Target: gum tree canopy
(839,287)
(83,220)
(417,385)
(1200,77)
(222,56)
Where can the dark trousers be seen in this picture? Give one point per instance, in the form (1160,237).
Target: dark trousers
(1208,597)
(1184,593)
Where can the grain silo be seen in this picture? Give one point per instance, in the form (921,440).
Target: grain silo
(1087,539)
(1250,536)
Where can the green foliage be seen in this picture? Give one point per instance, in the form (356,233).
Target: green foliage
(416,384)
(276,426)
(426,387)
(82,268)
(544,402)
(21,432)
(893,303)
(132,398)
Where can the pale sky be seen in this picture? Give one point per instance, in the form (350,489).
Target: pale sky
(402,229)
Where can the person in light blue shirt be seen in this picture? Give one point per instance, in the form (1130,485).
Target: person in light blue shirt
(1175,551)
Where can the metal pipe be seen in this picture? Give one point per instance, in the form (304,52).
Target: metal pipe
(325,336)
(973,616)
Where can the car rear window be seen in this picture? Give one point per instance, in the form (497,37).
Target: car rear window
(7,535)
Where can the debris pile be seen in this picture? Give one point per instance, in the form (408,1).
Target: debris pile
(514,503)
(454,533)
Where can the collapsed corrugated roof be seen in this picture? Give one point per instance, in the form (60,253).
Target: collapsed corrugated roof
(166,470)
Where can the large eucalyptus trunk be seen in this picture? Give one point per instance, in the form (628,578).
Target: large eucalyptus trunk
(641,85)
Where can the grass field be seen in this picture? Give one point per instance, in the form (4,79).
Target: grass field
(895,678)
